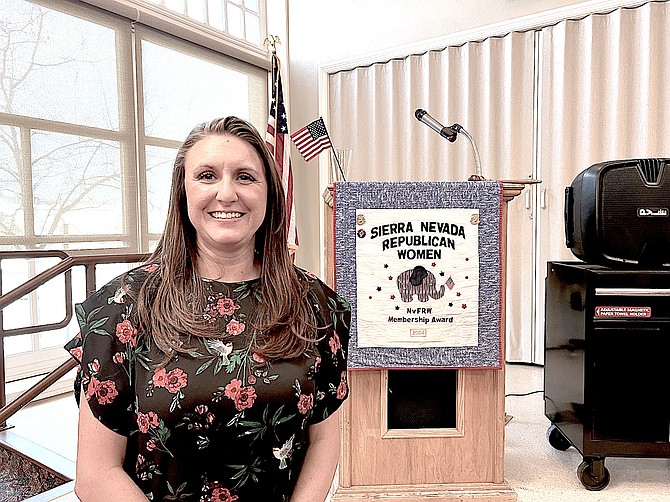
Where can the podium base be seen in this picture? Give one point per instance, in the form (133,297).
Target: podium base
(490,492)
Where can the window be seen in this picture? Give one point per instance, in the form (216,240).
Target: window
(238,18)
(92,110)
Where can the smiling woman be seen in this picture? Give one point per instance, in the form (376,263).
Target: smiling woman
(226,192)
(215,371)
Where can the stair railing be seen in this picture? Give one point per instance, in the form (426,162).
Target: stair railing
(89,262)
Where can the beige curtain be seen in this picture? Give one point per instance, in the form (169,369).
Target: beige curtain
(545,104)
(487,87)
(605,95)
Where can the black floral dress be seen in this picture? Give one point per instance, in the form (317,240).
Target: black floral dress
(219,423)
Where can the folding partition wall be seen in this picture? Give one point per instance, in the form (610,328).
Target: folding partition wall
(544,103)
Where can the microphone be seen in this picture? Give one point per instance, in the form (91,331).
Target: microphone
(446,132)
(450,133)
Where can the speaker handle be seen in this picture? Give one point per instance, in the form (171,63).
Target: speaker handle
(568,217)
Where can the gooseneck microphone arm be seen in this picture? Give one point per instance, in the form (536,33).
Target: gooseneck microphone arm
(450,133)
(475,153)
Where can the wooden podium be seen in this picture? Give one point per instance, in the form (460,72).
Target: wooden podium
(412,465)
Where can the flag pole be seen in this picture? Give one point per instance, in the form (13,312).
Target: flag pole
(275,83)
(270,44)
(337,160)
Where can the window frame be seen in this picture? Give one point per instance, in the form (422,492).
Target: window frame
(130,137)
(181,26)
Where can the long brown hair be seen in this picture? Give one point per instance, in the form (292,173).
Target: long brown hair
(171,301)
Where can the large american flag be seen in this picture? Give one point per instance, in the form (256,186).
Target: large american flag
(275,139)
(312,139)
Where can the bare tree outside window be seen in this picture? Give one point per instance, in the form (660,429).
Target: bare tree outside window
(56,184)
(92,109)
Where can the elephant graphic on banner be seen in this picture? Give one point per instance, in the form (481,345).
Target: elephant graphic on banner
(418,281)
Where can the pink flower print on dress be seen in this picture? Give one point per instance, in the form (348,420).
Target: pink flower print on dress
(139,463)
(94,366)
(334,343)
(233,388)
(172,381)
(235,328)
(342,388)
(258,358)
(77,352)
(203,410)
(119,357)
(104,392)
(243,397)
(226,306)
(151,267)
(146,421)
(126,332)
(305,403)
(222,495)
(176,380)
(160,377)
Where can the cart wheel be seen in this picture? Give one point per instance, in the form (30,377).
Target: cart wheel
(557,439)
(587,472)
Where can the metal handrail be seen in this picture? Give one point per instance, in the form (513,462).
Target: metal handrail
(26,397)
(64,266)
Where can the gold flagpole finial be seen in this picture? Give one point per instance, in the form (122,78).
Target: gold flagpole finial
(270,43)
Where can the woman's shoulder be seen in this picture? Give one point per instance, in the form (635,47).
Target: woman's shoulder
(125,285)
(321,289)
(138,275)
(312,279)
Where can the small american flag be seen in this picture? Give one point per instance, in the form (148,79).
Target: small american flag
(312,139)
(275,140)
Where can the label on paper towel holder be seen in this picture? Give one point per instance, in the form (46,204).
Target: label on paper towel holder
(622,312)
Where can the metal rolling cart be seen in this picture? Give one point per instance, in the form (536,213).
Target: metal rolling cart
(606,373)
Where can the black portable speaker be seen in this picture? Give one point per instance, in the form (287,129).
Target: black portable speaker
(617,213)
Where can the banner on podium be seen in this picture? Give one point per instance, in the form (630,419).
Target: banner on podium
(420,263)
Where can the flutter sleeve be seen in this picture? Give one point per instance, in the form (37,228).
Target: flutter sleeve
(331,368)
(104,349)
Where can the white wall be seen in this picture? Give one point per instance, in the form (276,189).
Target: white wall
(320,33)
